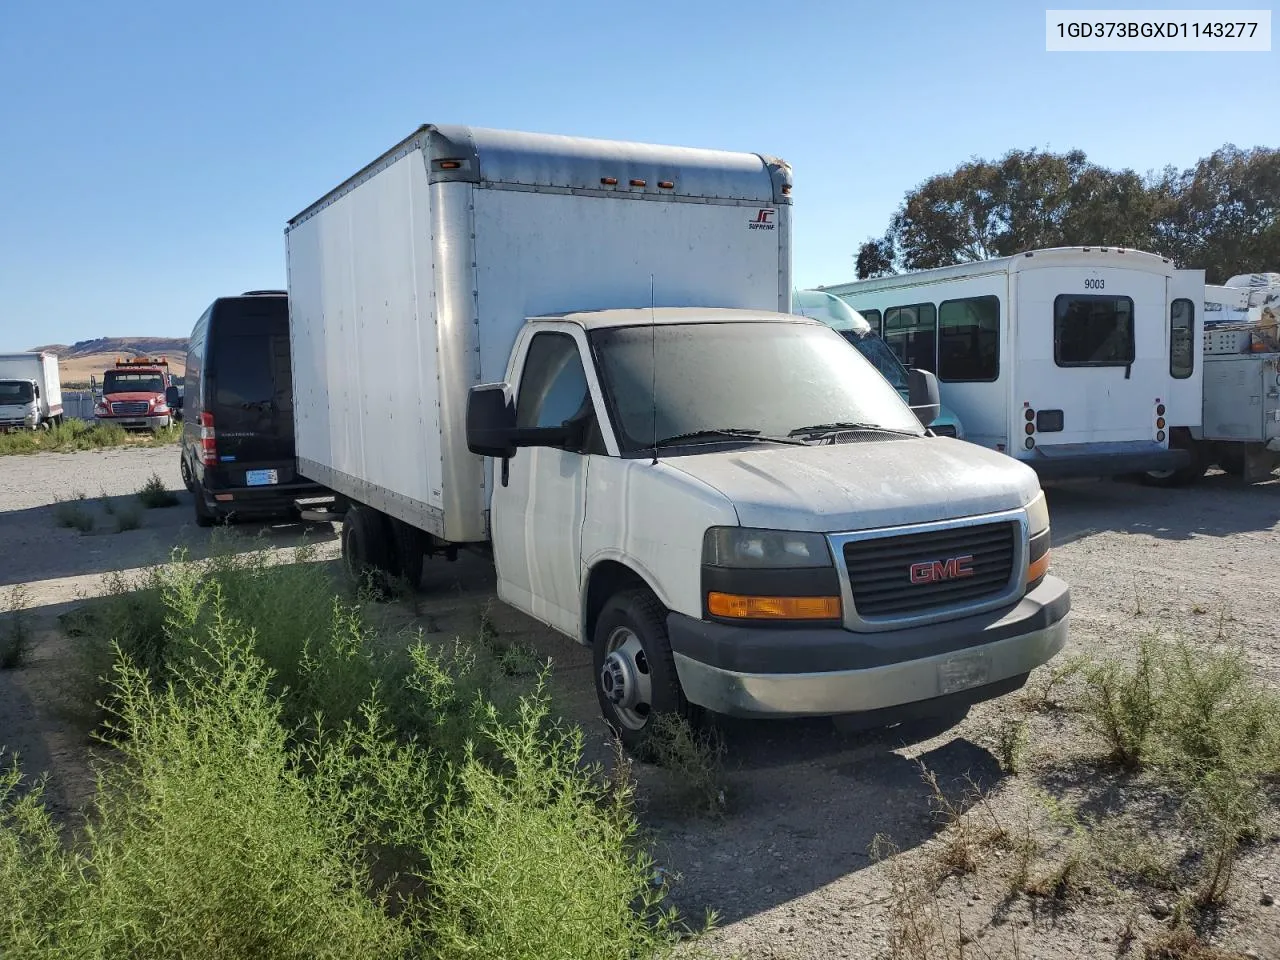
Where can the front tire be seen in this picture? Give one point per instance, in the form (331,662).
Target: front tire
(635,670)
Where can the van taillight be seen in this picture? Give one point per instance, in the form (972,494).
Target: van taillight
(208,441)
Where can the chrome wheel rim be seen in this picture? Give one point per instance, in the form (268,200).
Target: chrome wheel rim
(625,680)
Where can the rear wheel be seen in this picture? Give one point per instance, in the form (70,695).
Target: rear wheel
(1182,476)
(366,549)
(185,469)
(408,552)
(204,516)
(1231,461)
(635,670)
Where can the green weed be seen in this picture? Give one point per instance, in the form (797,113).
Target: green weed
(154,495)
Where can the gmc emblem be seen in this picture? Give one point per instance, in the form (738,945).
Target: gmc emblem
(935,571)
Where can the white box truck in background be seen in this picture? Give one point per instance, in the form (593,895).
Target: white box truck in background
(1074,360)
(30,391)
(580,353)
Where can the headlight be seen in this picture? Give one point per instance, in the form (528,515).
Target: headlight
(1038,542)
(763,549)
(1038,514)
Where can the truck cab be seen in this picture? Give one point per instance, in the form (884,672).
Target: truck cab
(30,391)
(739,515)
(19,405)
(136,393)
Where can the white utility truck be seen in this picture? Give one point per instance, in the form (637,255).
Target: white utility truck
(30,391)
(1074,360)
(580,353)
(1239,428)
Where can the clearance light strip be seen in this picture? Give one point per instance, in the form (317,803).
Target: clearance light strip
(773,608)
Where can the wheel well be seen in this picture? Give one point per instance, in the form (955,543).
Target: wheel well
(606,579)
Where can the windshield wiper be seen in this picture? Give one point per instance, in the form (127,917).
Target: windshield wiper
(731,433)
(820,428)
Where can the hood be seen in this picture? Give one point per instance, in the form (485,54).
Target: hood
(131,395)
(857,486)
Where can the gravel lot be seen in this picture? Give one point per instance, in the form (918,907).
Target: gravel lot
(788,867)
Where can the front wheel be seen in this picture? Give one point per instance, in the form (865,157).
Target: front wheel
(635,669)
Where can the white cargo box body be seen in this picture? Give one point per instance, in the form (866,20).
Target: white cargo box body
(409,282)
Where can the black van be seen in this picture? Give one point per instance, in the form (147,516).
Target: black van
(238,456)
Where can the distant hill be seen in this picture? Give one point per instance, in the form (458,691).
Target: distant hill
(89,358)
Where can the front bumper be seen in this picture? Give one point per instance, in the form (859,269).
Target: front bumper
(763,671)
(137,423)
(1086,461)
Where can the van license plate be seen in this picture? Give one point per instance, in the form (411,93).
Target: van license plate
(963,672)
(260,478)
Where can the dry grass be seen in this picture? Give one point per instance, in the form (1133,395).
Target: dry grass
(970,828)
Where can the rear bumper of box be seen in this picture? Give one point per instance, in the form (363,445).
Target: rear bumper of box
(1084,461)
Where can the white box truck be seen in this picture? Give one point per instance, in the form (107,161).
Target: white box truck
(579,352)
(1074,360)
(30,391)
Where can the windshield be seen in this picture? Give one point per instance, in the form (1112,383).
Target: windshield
(831,310)
(774,378)
(118,381)
(884,359)
(16,391)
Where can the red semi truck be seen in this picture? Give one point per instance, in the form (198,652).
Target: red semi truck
(137,393)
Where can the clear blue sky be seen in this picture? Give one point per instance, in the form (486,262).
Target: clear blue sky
(150,152)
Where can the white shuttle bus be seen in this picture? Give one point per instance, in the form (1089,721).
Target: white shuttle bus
(1073,360)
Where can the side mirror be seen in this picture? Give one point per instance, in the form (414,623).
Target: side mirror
(922,390)
(491,420)
(173,398)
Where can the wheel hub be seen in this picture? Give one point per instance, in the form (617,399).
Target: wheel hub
(618,681)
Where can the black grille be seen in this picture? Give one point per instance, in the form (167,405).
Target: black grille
(880,569)
(129,408)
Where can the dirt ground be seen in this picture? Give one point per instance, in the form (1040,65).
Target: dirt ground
(788,867)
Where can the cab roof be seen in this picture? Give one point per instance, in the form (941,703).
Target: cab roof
(658,316)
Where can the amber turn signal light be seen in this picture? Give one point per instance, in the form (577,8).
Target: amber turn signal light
(737,607)
(1038,568)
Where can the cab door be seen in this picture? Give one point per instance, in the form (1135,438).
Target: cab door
(538,512)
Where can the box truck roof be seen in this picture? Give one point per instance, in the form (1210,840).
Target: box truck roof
(549,163)
(1095,257)
(643,316)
